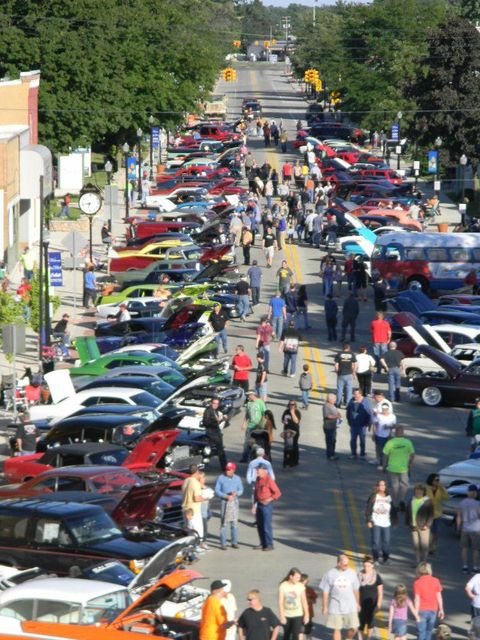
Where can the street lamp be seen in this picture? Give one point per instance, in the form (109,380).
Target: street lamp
(151,120)
(48,330)
(139,136)
(463,163)
(108,170)
(438,143)
(126,149)
(399,145)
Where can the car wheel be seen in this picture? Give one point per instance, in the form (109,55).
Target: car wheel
(418,283)
(432,396)
(413,373)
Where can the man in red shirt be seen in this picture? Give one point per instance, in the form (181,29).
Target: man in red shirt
(381,336)
(241,365)
(266,491)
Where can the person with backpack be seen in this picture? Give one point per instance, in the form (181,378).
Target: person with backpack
(289,344)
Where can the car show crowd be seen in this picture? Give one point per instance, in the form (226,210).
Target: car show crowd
(132,433)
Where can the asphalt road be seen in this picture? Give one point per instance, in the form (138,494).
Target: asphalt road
(321,512)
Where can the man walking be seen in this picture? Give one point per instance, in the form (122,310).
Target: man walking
(212,421)
(257,622)
(331,311)
(263,341)
(254,275)
(259,459)
(399,456)
(291,303)
(350,312)
(341,599)
(345,367)
(381,335)
(468,523)
(266,492)
(241,365)
(359,417)
(289,343)
(269,244)
(392,362)
(218,320)
(285,277)
(229,488)
(254,412)
(214,623)
(277,313)
(192,498)
(242,290)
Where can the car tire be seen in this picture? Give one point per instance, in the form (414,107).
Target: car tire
(413,373)
(416,283)
(432,396)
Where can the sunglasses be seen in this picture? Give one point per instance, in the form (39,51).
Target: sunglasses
(250,599)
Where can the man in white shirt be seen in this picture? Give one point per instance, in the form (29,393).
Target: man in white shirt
(253,466)
(124,313)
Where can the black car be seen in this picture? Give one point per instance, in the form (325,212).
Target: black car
(56,535)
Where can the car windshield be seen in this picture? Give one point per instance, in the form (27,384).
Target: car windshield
(114,457)
(128,433)
(92,528)
(173,378)
(161,389)
(115,482)
(105,608)
(145,398)
(114,572)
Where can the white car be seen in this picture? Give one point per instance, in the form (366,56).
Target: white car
(134,306)
(416,365)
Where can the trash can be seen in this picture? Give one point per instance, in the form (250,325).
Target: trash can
(442,227)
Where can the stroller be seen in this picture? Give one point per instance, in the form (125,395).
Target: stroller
(262,436)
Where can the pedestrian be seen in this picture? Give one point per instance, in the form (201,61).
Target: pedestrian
(257,622)
(428,600)
(381,333)
(438,495)
(286,172)
(255,280)
(341,598)
(230,605)
(291,418)
(268,192)
(379,401)
(289,344)
(380,289)
(28,261)
(312,598)
(60,331)
(290,298)
(327,279)
(392,363)
(229,488)
(399,455)
(350,311)
(192,499)
(269,244)
(379,520)
(361,278)
(338,279)
(89,287)
(365,368)
(472,589)
(265,494)
(345,368)
(468,523)
(302,307)
(241,365)
(235,229)
(419,517)
(266,134)
(123,314)
(264,334)
(398,613)
(359,417)
(207,495)
(472,430)
(260,458)
(242,290)
(218,321)
(277,314)
(26,437)
(292,604)
(383,424)
(213,422)
(254,419)
(261,377)
(474,632)
(330,308)
(348,266)
(285,277)
(213,622)
(284,141)
(305,385)
(246,242)
(332,418)
(371,596)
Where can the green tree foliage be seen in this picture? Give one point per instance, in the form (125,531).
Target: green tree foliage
(469,9)
(106,66)
(447,90)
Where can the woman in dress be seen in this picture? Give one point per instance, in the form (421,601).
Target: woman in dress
(371,596)
(291,433)
(378,516)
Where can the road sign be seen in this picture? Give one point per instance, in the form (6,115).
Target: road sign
(395,131)
(13,338)
(155,133)
(111,202)
(74,242)
(433,162)
(132,168)
(55,268)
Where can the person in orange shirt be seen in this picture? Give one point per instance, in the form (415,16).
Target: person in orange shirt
(214,623)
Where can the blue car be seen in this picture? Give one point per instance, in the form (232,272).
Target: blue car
(177,338)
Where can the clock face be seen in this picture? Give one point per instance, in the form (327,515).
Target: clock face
(90,202)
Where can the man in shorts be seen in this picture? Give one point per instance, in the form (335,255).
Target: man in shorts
(468,523)
(269,244)
(341,599)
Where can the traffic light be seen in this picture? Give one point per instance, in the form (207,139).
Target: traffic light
(237,44)
(311,76)
(233,75)
(318,85)
(229,74)
(266,44)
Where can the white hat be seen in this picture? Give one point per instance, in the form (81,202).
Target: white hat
(228,585)
(260,452)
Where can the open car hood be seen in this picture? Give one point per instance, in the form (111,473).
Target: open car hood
(414,302)
(154,597)
(139,504)
(198,382)
(451,365)
(60,385)
(197,346)
(421,334)
(150,450)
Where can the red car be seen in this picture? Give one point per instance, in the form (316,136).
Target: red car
(383,174)
(143,459)
(141,228)
(213,132)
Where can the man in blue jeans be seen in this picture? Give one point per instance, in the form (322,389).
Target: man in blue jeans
(345,367)
(289,343)
(218,320)
(229,488)
(266,492)
(392,363)
(277,314)
(359,417)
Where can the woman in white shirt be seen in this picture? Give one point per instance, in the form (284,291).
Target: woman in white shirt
(378,515)
(383,426)
(365,365)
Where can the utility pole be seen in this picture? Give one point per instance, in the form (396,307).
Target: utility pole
(286,25)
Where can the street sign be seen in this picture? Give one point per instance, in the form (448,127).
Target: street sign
(398,149)
(436,185)
(416,165)
(74,242)
(13,338)
(55,268)
(132,168)
(432,162)
(155,133)
(111,202)
(395,131)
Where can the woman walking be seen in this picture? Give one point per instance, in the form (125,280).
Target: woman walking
(379,521)
(419,517)
(383,425)
(371,596)
(331,419)
(292,604)
(365,366)
(438,495)
(291,433)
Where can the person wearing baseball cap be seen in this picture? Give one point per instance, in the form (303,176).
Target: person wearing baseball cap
(213,623)
(124,314)
(229,488)
(266,492)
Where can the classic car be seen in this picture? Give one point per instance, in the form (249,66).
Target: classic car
(419,364)
(131,259)
(138,307)
(455,384)
(251,108)
(110,361)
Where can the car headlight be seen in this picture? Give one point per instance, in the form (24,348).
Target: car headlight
(207,450)
(136,565)
(168,459)
(159,513)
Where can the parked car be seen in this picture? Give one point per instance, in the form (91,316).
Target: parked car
(419,364)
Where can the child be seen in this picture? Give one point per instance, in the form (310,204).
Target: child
(398,615)
(311,600)
(305,384)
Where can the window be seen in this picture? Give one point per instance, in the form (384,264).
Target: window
(460,255)
(13,527)
(114,458)
(71,483)
(93,528)
(414,253)
(20,610)
(51,532)
(54,611)
(106,607)
(437,254)
(111,400)
(49,484)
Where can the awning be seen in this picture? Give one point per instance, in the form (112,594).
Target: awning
(35,161)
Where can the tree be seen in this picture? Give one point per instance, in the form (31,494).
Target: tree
(447,90)
(468,9)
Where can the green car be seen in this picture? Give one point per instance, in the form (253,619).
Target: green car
(148,290)
(102,365)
